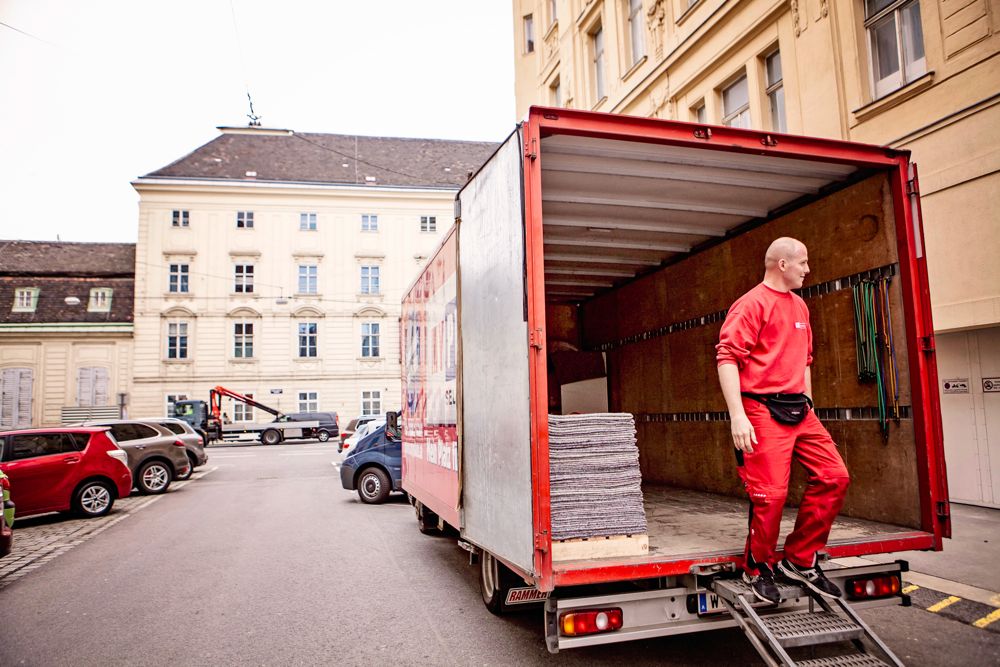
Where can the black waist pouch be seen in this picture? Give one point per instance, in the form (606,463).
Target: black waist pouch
(788,409)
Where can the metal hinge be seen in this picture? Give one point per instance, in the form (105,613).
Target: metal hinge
(535,338)
(768,140)
(927,343)
(943,510)
(912,188)
(540,541)
(703,133)
(530,152)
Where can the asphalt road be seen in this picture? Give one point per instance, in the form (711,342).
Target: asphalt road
(265,560)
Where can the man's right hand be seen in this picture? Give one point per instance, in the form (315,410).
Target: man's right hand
(744,437)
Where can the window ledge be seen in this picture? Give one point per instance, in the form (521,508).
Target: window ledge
(307,295)
(686,13)
(243,360)
(371,297)
(178,295)
(244,295)
(178,362)
(371,360)
(894,98)
(599,103)
(632,70)
(552,27)
(305,360)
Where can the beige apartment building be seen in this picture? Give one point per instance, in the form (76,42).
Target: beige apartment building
(922,75)
(273,263)
(65,331)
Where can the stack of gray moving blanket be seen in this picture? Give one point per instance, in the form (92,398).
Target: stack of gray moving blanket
(595,479)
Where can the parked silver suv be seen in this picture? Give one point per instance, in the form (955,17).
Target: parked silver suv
(193,442)
(155,455)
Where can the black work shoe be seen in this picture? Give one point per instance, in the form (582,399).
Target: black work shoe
(762,585)
(811,577)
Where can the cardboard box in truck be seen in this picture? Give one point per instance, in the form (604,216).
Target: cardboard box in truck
(589,270)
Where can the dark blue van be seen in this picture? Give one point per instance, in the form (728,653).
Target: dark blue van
(375,467)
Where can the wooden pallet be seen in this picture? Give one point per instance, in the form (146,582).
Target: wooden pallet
(587,548)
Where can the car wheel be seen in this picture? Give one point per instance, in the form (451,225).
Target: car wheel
(154,477)
(427,521)
(93,499)
(270,437)
(495,582)
(323,436)
(192,462)
(373,486)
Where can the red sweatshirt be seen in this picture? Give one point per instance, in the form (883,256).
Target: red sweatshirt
(767,335)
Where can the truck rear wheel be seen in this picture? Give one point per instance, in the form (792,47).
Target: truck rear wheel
(427,521)
(270,437)
(495,582)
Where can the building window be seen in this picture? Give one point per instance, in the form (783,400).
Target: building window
(92,386)
(428,223)
(371,402)
(307,222)
(243,340)
(308,279)
(100,300)
(736,104)
(553,14)
(16,390)
(181,218)
(243,279)
(25,300)
(308,401)
(177,340)
(369,222)
(529,34)
(597,48)
(699,113)
(556,91)
(171,400)
(370,339)
(241,411)
(369,280)
(896,39)
(244,219)
(775,91)
(307,339)
(636,25)
(179,278)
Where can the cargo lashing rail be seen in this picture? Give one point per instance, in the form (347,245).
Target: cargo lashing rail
(773,633)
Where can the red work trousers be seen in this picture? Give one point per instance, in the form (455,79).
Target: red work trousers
(765,473)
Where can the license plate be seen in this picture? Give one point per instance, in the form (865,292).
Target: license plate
(708,603)
(525,596)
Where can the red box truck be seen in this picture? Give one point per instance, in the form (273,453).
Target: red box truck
(589,269)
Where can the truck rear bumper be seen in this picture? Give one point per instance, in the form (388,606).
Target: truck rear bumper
(669,611)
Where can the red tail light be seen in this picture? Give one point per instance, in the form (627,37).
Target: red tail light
(591,621)
(178,443)
(4,483)
(878,586)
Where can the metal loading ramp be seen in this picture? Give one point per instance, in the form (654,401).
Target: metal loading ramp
(772,632)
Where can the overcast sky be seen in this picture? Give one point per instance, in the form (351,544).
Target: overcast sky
(94,94)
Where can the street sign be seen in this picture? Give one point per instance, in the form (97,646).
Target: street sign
(956,386)
(277,391)
(991,385)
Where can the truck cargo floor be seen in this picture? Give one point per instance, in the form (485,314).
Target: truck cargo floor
(683,522)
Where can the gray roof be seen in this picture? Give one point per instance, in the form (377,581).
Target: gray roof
(285,156)
(51,258)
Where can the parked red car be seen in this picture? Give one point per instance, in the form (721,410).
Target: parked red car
(58,469)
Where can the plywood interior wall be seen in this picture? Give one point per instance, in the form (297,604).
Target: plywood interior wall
(848,232)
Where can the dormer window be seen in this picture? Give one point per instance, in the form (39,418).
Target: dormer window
(25,300)
(100,300)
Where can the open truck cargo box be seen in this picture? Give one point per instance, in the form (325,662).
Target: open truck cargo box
(592,263)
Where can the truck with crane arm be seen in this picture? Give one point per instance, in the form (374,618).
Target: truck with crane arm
(206,418)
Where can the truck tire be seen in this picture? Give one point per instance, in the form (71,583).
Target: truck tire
(495,582)
(270,437)
(427,521)
(373,486)
(323,435)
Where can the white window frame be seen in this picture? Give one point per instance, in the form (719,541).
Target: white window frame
(308,279)
(180,218)
(243,278)
(736,117)
(308,401)
(556,91)
(371,402)
(553,13)
(369,222)
(775,92)
(428,223)
(371,335)
(636,29)
(308,340)
(182,272)
(907,71)
(528,24)
(243,412)
(25,300)
(243,339)
(371,279)
(307,222)
(597,50)
(181,348)
(17,387)
(171,400)
(92,386)
(244,219)
(100,300)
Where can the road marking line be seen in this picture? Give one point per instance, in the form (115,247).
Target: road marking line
(234,456)
(911,588)
(989,618)
(301,454)
(947,602)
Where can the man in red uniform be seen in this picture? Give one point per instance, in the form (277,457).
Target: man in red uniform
(764,354)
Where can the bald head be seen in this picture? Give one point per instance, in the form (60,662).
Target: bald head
(786,264)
